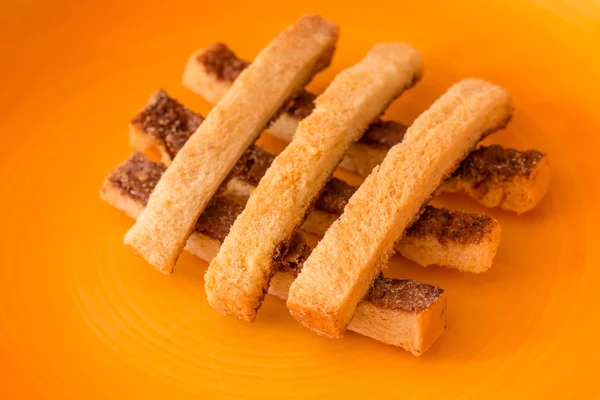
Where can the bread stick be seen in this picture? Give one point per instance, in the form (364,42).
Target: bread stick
(210,72)
(454,239)
(459,240)
(279,71)
(238,277)
(399,312)
(499,177)
(343,265)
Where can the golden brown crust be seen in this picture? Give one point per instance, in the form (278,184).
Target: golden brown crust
(239,276)
(345,262)
(280,70)
(396,315)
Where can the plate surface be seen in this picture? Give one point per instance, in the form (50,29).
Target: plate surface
(82,317)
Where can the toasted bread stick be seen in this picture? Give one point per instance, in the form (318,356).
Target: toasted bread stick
(238,277)
(399,312)
(343,265)
(279,71)
(211,71)
(499,177)
(463,241)
(454,239)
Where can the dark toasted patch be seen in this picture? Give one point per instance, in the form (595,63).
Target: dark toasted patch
(384,134)
(166,119)
(403,294)
(137,177)
(452,226)
(218,217)
(220,61)
(493,164)
(302,105)
(335,196)
(253,165)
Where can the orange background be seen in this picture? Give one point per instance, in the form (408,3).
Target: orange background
(82,317)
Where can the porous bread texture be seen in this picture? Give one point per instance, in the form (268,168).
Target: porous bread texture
(442,243)
(431,249)
(279,71)
(238,278)
(413,331)
(340,269)
(517,193)
(359,158)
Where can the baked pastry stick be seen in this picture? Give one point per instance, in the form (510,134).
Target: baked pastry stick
(343,265)
(238,277)
(399,312)
(464,241)
(280,70)
(496,177)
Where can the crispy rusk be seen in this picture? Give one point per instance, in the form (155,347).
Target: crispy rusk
(499,177)
(464,241)
(343,265)
(507,178)
(238,277)
(279,71)
(399,312)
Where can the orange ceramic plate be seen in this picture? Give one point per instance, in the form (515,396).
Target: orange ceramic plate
(82,317)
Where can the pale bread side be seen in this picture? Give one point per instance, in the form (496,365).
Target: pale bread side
(239,276)
(279,71)
(342,266)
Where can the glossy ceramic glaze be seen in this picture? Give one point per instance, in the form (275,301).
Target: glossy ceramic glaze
(82,317)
